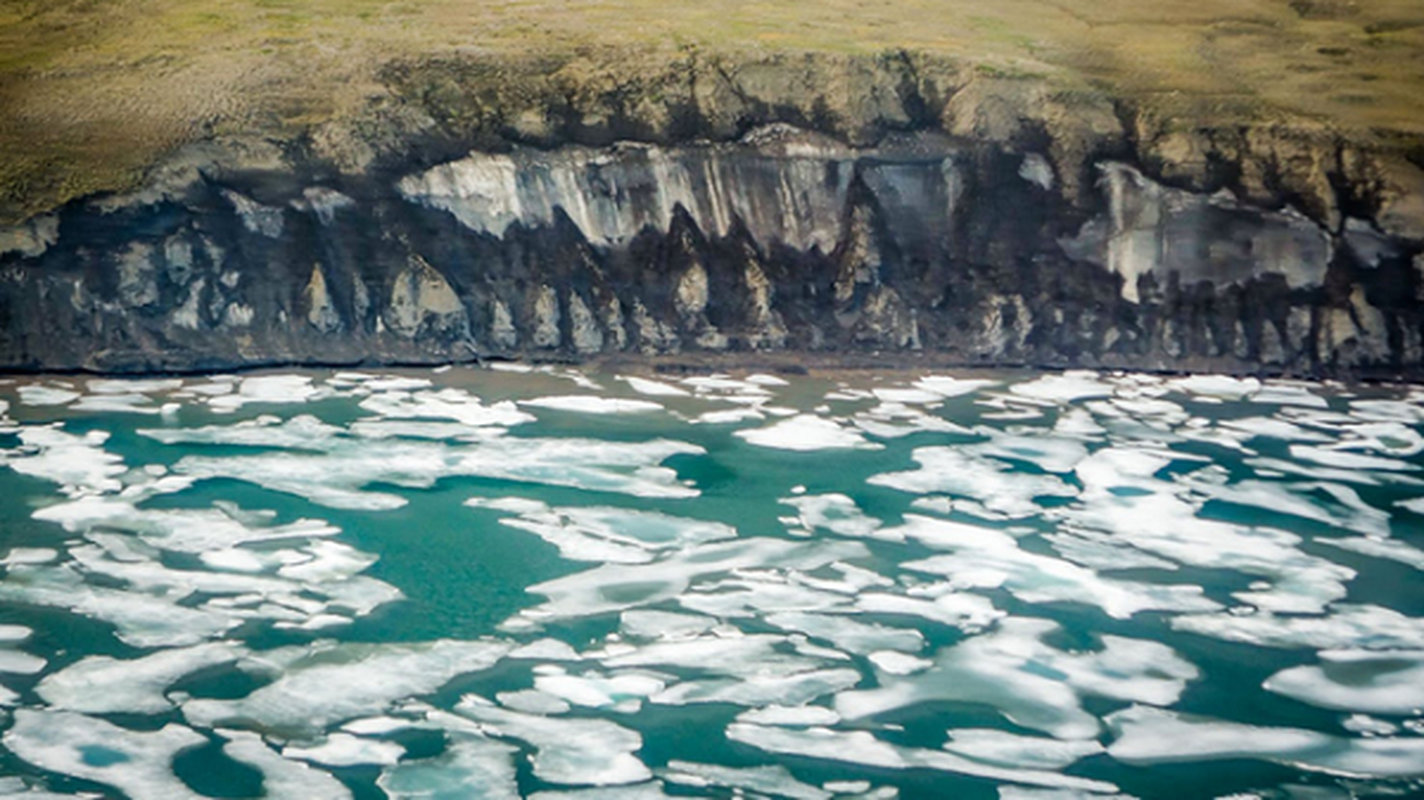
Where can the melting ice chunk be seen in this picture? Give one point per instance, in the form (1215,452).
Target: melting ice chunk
(471,766)
(1029,682)
(345,750)
(618,587)
(1156,736)
(805,433)
(989,558)
(607,534)
(654,388)
(1345,626)
(328,466)
(995,484)
(1012,750)
(449,403)
(134,686)
(330,683)
(281,777)
(593,404)
(140,764)
(774,780)
(567,750)
(860,747)
(1381,682)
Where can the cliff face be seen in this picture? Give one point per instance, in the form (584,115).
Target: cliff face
(909,210)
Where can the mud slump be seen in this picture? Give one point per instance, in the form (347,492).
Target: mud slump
(562,584)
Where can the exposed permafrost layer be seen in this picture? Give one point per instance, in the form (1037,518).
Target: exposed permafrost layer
(972,252)
(784,185)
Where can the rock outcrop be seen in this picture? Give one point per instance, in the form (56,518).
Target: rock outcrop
(973,221)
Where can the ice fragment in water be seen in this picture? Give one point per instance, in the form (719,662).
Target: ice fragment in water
(345,750)
(1157,736)
(774,780)
(593,404)
(1032,684)
(1380,682)
(135,686)
(567,750)
(281,777)
(331,683)
(140,764)
(471,766)
(860,747)
(806,432)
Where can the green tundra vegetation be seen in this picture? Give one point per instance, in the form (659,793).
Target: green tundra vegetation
(94,92)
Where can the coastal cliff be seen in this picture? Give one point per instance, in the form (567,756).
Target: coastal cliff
(889,207)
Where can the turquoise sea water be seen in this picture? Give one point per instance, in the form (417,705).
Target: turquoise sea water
(512,583)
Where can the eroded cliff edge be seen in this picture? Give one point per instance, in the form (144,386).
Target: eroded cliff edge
(893,204)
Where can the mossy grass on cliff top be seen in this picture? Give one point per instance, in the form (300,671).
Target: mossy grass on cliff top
(94,92)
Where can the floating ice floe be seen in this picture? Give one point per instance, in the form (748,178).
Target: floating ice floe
(1157,736)
(1219,386)
(1343,626)
(986,558)
(892,662)
(471,766)
(1369,726)
(726,387)
(141,620)
(125,386)
(650,624)
(139,764)
(282,777)
(1344,459)
(652,790)
(568,750)
(945,386)
(1284,393)
(122,404)
(1013,750)
(762,690)
(860,747)
(794,716)
(1391,549)
(941,603)
(531,701)
(893,420)
(593,404)
(774,780)
(611,588)
(993,483)
(623,691)
(729,416)
(328,683)
(806,433)
(607,534)
(1298,582)
(332,467)
(345,750)
(846,634)
(37,394)
(269,390)
(78,463)
(195,530)
(901,396)
(1064,388)
(1031,683)
(450,403)
(1379,682)
(106,685)
(653,388)
(835,513)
